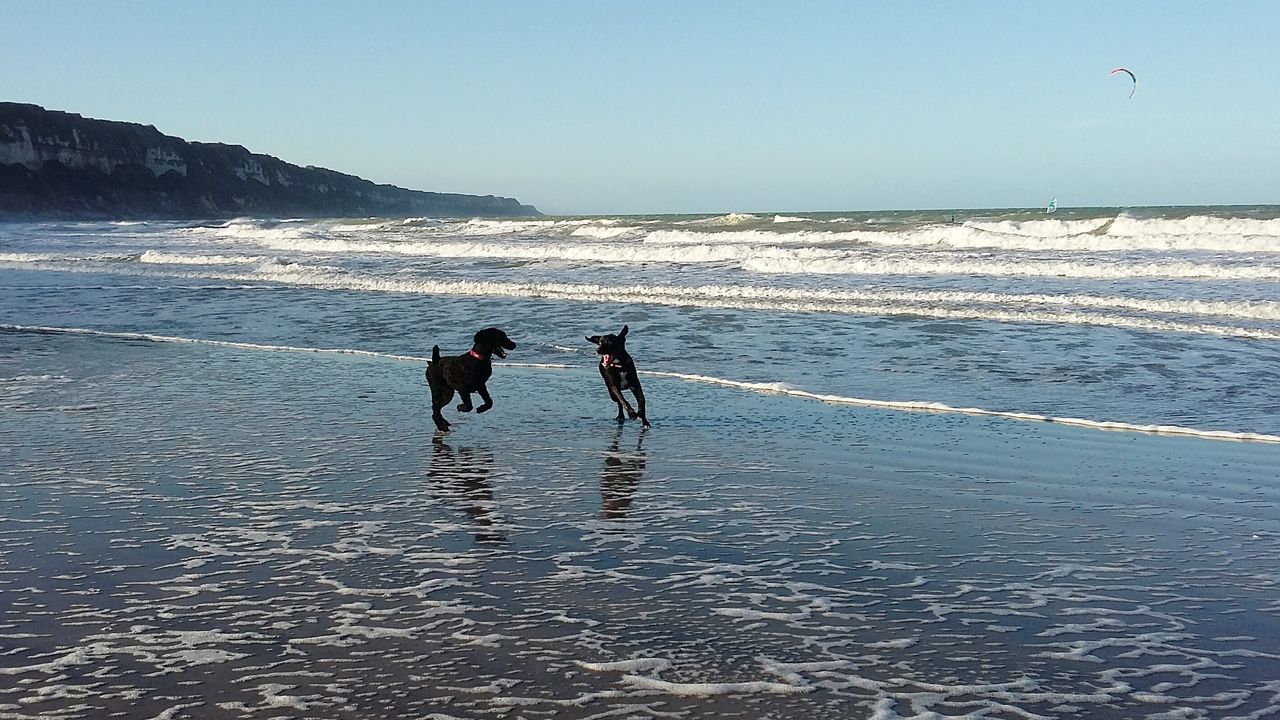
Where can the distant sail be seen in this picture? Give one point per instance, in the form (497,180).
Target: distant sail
(1132,77)
(1053,206)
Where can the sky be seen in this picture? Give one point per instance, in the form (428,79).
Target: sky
(697,105)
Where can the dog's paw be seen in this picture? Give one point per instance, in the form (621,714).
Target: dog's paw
(484,408)
(632,413)
(442,425)
(464,408)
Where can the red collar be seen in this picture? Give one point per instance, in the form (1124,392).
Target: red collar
(476,355)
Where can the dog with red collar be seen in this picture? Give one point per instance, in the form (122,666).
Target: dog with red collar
(466,373)
(619,373)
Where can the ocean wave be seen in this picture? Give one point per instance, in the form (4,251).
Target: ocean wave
(856,264)
(764,387)
(480,226)
(936,407)
(169,258)
(1162,315)
(19,259)
(1102,234)
(249,231)
(772,258)
(602,232)
(728,219)
(1014,309)
(1077,236)
(25,257)
(1116,233)
(537,249)
(1203,225)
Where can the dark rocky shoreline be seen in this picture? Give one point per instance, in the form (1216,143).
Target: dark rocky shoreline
(61,165)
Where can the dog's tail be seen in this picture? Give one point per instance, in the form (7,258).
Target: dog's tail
(435,358)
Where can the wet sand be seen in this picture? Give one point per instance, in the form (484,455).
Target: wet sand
(191,531)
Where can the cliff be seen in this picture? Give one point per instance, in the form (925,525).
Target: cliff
(61,164)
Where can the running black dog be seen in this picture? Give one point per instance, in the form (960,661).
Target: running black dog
(466,373)
(619,373)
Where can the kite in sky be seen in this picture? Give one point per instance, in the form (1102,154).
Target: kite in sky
(1128,72)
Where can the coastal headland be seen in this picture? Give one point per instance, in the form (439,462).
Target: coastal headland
(59,164)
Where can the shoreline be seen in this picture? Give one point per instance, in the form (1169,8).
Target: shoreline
(772,388)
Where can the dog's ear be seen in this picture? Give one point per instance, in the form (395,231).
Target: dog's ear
(594,339)
(623,334)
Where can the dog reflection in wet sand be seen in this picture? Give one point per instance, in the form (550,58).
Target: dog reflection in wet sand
(463,479)
(620,478)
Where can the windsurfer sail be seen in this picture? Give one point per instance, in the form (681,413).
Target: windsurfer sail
(1053,206)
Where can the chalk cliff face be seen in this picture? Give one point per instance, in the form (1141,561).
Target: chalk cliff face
(60,164)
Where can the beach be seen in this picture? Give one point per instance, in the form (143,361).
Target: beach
(196,530)
(591,361)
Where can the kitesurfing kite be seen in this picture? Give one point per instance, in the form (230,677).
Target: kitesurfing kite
(1128,72)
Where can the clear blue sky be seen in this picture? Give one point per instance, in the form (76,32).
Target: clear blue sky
(694,106)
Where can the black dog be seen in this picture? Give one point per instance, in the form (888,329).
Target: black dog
(619,373)
(466,373)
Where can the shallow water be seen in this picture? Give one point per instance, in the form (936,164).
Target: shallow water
(198,531)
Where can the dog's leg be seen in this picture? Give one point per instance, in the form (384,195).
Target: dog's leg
(436,404)
(440,396)
(631,412)
(466,402)
(484,395)
(616,394)
(635,388)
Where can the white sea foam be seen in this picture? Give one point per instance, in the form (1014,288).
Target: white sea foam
(1202,225)
(955,305)
(729,219)
(541,249)
(1068,309)
(927,406)
(1123,232)
(767,387)
(602,232)
(780,255)
(707,689)
(250,231)
(810,262)
(1118,234)
(169,258)
(631,666)
(480,226)
(899,644)
(34,257)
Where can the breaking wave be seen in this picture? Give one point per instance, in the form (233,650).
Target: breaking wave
(1204,317)
(1013,231)
(676,248)
(168,258)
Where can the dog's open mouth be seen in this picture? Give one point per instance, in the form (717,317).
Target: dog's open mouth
(500,352)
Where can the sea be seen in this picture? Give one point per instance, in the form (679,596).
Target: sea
(1145,317)
(981,465)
